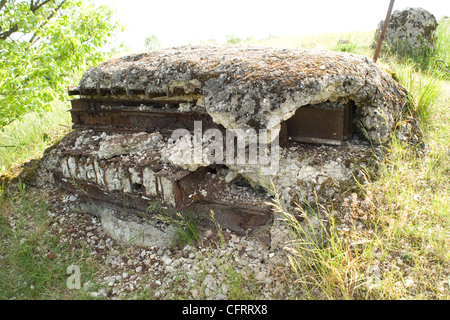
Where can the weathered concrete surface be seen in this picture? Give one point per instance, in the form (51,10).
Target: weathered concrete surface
(141,232)
(409,29)
(243,88)
(131,169)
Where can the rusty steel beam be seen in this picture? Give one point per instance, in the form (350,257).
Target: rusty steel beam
(73,90)
(130,116)
(319,124)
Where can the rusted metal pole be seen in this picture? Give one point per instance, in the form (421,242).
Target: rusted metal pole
(383,31)
(446,69)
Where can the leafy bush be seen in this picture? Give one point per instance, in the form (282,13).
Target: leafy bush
(45,45)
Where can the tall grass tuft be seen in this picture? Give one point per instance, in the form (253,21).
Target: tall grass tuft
(185,227)
(424,88)
(327,264)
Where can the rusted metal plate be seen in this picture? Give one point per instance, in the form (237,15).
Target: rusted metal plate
(239,220)
(321,124)
(91,193)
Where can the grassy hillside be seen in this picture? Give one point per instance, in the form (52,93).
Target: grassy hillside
(350,42)
(27,138)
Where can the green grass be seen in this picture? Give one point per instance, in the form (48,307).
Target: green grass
(185,227)
(33,260)
(28,137)
(424,88)
(353,42)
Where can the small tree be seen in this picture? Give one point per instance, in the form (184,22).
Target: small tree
(45,45)
(152,42)
(232,39)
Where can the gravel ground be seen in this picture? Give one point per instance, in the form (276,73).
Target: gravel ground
(235,268)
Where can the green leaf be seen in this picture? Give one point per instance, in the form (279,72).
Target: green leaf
(66,41)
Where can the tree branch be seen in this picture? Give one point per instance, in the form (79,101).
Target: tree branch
(33,8)
(51,15)
(6,34)
(38,5)
(2,4)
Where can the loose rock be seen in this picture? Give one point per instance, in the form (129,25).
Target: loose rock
(410,29)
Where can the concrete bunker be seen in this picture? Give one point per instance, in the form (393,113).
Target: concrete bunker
(316,104)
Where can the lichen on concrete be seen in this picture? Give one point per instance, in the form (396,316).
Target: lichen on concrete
(257,87)
(410,29)
(236,89)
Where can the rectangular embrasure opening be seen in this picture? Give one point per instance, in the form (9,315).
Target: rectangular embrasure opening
(328,123)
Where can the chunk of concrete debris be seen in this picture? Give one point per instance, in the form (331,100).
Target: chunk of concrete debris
(410,29)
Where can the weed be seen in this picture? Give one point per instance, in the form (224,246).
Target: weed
(218,228)
(231,39)
(185,226)
(236,284)
(423,89)
(346,47)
